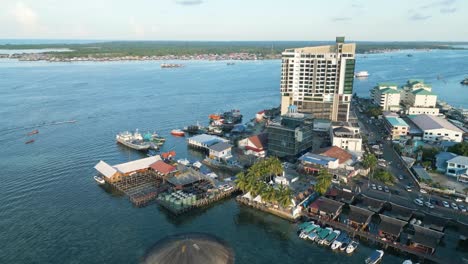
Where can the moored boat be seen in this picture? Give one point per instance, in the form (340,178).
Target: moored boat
(171,65)
(351,247)
(374,257)
(362,74)
(465,81)
(177,132)
(133,141)
(331,237)
(323,234)
(339,241)
(99,180)
(29,141)
(408,261)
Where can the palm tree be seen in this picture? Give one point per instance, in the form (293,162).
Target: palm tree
(268,194)
(369,161)
(324,179)
(284,196)
(241,181)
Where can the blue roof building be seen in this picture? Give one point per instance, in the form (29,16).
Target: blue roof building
(441,160)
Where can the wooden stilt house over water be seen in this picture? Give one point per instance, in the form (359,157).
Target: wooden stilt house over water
(326,208)
(397,211)
(390,228)
(424,239)
(370,204)
(116,173)
(358,218)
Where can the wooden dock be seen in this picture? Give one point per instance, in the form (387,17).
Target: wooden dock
(368,237)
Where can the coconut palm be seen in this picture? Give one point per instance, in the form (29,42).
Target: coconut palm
(324,179)
(268,194)
(284,196)
(241,181)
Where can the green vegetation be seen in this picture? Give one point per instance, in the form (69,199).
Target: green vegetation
(261,48)
(324,179)
(374,111)
(465,190)
(254,181)
(384,176)
(369,161)
(428,155)
(459,148)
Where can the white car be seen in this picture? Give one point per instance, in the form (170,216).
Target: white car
(454,206)
(458,200)
(374,187)
(428,204)
(419,202)
(422,191)
(446,205)
(462,208)
(380,188)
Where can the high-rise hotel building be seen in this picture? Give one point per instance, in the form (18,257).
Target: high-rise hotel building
(319,80)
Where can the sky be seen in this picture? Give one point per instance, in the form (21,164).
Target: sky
(225,20)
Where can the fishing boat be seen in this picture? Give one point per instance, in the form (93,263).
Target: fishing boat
(177,133)
(351,247)
(374,257)
(330,238)
(29,141)
(310,229)
(362,74)
(323,234)
(171,65)
(338,241)
(35,131)
(230,63)
(99,180)
(465,81)
(133,141)
(345,244)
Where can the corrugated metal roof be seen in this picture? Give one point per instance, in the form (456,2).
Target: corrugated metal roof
(428,122)
(220,146)
(207,139)
(105,169)
(136,164)
(317,159)
(396,121)
(461,160)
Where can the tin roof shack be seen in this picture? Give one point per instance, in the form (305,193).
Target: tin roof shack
(163,169)
(369,203)
(326,208)
(390,228)
(220,151)
(117,172)
(424,240)
(434,222)
(359,218)
(398,212)
(340,195)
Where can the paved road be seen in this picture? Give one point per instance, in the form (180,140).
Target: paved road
(376,133)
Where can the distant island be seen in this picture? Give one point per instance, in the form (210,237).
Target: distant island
(193,50)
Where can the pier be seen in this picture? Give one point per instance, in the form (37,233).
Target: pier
(268,209)
(368,237)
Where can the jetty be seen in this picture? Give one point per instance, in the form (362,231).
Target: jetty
(285,214)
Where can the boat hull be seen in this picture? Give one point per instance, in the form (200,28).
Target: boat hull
(142,147)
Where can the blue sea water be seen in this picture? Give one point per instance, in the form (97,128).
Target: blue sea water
(52,211)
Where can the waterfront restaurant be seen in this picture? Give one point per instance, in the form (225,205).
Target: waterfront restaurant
(117,172)
(358,218)
(326,208)
(424,239)
(390,228)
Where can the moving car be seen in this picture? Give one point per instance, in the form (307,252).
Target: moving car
(386,189)
(445,204)
(408,188)
(401,177)
(418,202)
(422,191)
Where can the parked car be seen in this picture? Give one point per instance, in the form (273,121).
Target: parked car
(422,191)
(418,202)
(386,189)
(374,187)
(446,204)
(458,200)
(380,188)
(428,204)
(408,188)
(401,177)
(454,206)
(462,208)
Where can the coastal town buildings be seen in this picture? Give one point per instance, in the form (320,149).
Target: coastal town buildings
(395,126)
(291,137)
(421,101)
(387,96)
(255,145)
(117,172)
(319,80)
(437,129)
(346,135)
(411,86)
(457,166)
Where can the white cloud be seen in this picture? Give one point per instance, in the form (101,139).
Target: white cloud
(25,16)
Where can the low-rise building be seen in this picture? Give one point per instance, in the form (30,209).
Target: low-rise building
(396,126)
(437,129)
(424,239)
(326,208)
(358,218)
(162,168)
(390,228)
(343,156)
(441,160)
(410,86)
(204,141)
(346,135)
(457,166)
(117,172)
(220,151)
(387,96)
(313,162)
(255,145)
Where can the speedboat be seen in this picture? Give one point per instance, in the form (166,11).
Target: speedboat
(330,238)
(35,131)
(374,257)
(351,247)
(99,180)
(323,234)
(177,132)
(362,74)
(29,141)
(408,261)
(345,244)
(338,241)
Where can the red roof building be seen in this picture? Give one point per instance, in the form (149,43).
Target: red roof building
(255,145)
(337,153)
(163,168)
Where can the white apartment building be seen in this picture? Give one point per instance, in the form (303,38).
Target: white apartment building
(319,80)
(346,135)
(410,86)
(437,129)
(387,96)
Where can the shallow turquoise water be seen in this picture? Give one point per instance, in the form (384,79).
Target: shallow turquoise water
(53,212)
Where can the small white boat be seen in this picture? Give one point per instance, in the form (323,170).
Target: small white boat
(374,257)
(99,180)
(351,247)
(362,74)
(408,261)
